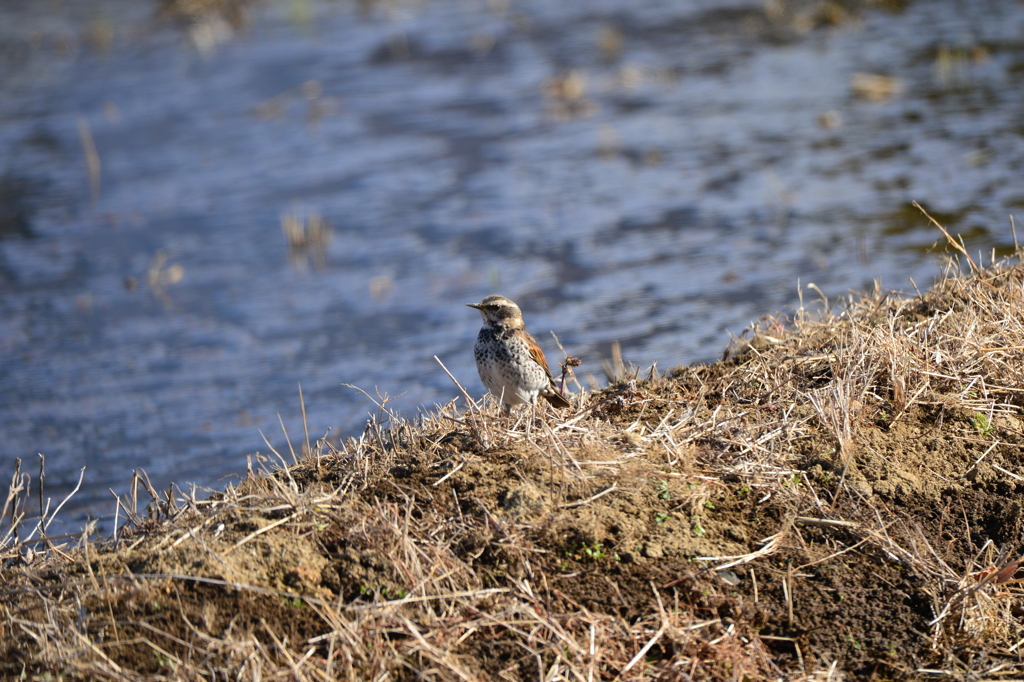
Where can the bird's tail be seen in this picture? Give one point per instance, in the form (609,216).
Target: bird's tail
(555,398)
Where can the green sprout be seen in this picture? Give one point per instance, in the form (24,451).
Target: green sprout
(982,423)
(662,486)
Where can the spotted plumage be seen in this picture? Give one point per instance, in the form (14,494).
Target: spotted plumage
(511,364)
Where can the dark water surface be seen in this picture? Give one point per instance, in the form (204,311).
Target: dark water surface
(658,175)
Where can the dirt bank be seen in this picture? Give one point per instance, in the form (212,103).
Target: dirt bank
(841,495)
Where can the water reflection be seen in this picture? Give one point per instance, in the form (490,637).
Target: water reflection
(196,220)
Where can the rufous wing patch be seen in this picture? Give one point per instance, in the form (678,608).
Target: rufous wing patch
(537,354)
(551,393)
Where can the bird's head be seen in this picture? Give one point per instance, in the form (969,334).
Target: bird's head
(499,312)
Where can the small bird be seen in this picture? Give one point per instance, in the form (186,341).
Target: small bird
(511,364)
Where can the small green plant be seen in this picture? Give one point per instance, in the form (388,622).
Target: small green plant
(698,529)
(661,517)
(399,593)
(662,486)
(708,504)
(852,642)
(982,423)
(582,551)
(293,602)
(792,481)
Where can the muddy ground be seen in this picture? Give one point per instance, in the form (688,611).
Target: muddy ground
(832,499)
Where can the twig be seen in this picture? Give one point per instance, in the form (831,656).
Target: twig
(825,522)
(445,477)
(305,427)
(284,465)
(771,544)
(472,403)
(42,481)
(253,534)
(92,157)
(646,647)
(580,503)
(295,460)
(60,506)
(956,245)
(1004,471)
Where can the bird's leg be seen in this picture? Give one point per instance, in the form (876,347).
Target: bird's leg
(506,411)
(510,419)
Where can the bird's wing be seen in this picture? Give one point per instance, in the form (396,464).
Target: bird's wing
(537,354)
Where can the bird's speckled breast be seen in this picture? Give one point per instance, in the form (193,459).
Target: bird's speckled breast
(506,367)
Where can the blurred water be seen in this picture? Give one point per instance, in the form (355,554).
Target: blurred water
(659,175)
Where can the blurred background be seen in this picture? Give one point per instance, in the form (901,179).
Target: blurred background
(204,203)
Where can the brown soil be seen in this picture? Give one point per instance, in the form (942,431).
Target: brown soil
(803,508)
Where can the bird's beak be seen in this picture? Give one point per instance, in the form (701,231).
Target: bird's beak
(475,305)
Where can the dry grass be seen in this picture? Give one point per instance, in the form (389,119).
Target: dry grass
(836,497)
